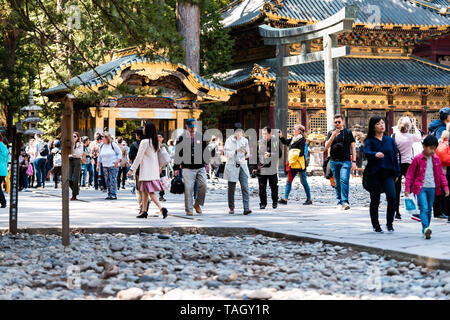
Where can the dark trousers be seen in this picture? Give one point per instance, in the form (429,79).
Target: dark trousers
(441,204)
(398,185)
(74,175)
(163,174)
(23,179)
(122,176)
(388,185)
(273,183)
(446,200)
(2,195)
(56,173)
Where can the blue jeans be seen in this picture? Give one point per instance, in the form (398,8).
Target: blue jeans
(110,174)
(303,180)
(425,201)
(87,168)
(341,174)
(40,170)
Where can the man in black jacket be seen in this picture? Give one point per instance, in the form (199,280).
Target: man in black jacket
(269,152)
(134,148)
(189,151)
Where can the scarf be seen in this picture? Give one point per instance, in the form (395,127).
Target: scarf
(295,139)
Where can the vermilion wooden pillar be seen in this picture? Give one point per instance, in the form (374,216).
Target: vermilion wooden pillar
(272,117)
(304,119)
(257,121)
(390,121)
(424,121)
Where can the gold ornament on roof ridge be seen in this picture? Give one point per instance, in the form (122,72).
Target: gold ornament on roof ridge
(259,71)
(272,6)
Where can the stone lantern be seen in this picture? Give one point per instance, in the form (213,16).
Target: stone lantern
(316,146)
(32,119)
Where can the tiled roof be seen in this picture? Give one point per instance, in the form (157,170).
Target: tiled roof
(398,12)
(107,71)
(359,71)
(438,4)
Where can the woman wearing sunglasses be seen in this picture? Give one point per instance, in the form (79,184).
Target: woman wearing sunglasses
(75,165)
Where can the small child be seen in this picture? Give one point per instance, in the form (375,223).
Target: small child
(426,179)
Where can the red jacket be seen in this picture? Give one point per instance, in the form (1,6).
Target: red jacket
(416,175)
(443,152)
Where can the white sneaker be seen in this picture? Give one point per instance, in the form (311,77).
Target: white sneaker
(345,206)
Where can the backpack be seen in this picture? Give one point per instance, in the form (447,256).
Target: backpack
(57,159)
(443,153)
(398,151)
(327,169)
(43,149)
(306,155)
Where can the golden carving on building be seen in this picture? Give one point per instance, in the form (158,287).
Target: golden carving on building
(259,71)
(272,6)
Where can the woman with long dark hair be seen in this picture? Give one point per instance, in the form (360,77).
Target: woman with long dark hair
(75,165)
(149,170)
(382,171)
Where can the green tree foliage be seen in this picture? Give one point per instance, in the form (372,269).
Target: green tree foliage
(46,42)
(17,65)
(216,55)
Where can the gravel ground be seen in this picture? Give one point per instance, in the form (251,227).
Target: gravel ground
(322,192)
(145,266)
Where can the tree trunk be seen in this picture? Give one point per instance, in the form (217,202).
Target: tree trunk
(188,26)
(11,46)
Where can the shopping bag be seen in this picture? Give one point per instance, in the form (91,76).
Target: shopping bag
(165,181)
(411,204)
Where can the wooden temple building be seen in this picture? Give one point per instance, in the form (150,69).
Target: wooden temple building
(399,62)
(167,94)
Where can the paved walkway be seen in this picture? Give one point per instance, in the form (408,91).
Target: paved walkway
(42,209)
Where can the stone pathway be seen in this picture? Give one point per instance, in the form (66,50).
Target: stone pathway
(42,209)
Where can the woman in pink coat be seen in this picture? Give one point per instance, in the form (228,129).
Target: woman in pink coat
(426,179)
(149,172)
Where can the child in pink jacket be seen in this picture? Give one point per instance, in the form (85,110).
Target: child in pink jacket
(426,179)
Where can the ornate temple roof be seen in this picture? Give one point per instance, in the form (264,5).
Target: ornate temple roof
(391,12)
(403,72)
(443,6)
(110,72)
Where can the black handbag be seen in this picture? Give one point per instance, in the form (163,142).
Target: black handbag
(177,186)
(327,169)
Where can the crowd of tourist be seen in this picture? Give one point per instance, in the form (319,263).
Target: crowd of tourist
(107,163)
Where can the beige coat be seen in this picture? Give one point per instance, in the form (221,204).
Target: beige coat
(231,172)
(147,160)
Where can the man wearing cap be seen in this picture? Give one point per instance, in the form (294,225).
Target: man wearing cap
(193,165)
(436,127)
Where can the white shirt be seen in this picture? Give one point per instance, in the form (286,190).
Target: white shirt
(109,154)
